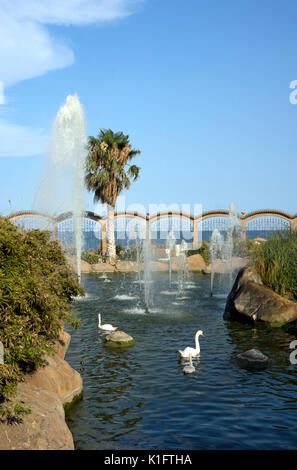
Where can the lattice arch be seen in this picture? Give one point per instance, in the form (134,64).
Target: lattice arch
(206,226)
(33,223)
(266,226)
(128,227)
(181,227)
(65,233)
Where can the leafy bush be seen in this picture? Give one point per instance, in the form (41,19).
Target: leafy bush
(36,286)
(130,254)
(276,262)
(203,251)
(91,258)
(119,250)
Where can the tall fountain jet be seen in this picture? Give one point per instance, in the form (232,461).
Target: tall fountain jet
(215,249)
(62,187)
(234,232)
(170,246)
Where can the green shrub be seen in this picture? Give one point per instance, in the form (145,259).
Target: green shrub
(276,262)
(91,258)
(36,286)
(203,251)
(119,250)
(130,254)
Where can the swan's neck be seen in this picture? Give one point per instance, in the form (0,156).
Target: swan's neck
(197,341)
(99,319)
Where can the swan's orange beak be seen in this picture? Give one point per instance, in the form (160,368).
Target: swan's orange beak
(202,334)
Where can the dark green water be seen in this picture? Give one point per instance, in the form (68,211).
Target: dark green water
(139,398)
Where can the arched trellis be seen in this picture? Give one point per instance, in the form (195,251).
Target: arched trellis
(31,219)
(164,216)
(196,220)
(289,219)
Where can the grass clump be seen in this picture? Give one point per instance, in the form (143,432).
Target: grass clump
(276,262)
(36,286)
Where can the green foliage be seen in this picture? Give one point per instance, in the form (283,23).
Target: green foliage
(119,250)
(14,415)
(276,262)
(129,254)
(203,251)
(91,258)
(36,286)
(108,171)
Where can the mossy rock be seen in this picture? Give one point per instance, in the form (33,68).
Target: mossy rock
(67,406)
(119,339)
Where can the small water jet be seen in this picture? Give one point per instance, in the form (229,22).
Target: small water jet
(216,245)
(143,257)
(146,244)
(181,254)
(170,245)
(234,232)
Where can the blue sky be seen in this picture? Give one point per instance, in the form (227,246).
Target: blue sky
(201,87)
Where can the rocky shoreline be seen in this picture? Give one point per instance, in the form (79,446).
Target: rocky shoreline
(249,300)
(46,393)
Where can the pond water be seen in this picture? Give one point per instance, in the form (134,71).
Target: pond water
(139,398)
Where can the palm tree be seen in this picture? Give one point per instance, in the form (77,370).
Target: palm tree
(108,173)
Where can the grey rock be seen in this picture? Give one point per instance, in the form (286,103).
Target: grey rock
(253,355)
(252,359)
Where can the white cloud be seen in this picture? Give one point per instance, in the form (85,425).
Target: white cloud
(28,50)
(70,11)
(20,141)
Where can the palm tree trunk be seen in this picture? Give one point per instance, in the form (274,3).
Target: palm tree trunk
(111,249)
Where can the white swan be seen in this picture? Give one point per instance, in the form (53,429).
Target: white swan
(191,351)
(106,326)
(189,369)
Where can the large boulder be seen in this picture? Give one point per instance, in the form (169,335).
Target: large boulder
(43,429)
(57,376)
(62,344)
(46,392)
(252,301)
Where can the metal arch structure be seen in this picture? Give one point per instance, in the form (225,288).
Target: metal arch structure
(290,218)
(29,214)
(150,218)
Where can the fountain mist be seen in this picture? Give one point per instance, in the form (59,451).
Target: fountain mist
(170,245)
(234,232)
(62,187)
(215,249)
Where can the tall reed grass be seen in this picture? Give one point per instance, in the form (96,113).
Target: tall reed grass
(276,262)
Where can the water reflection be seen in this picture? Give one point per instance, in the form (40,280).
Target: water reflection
(140,398)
